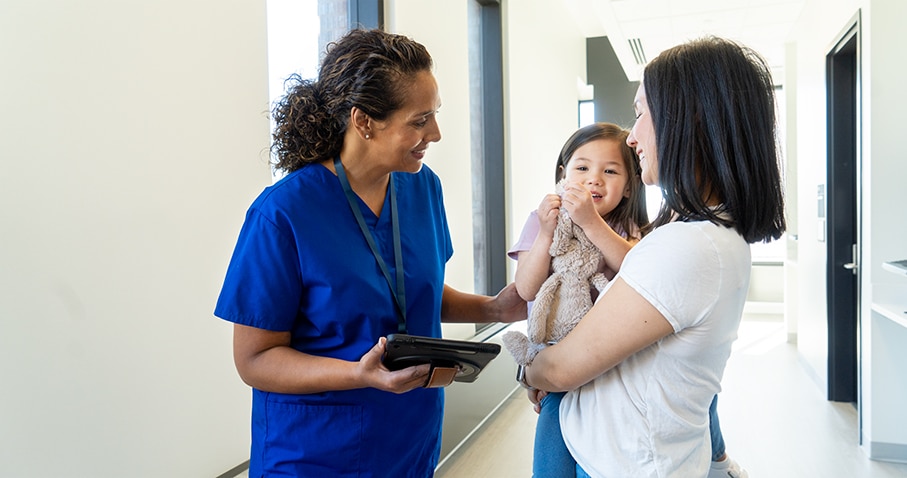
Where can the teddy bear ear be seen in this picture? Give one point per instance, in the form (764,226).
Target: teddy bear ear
(559,187)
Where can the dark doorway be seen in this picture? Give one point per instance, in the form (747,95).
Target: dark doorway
(843,200)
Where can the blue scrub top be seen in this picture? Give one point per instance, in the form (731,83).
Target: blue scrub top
(302,264)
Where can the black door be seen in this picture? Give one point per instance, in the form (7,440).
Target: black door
(842,196)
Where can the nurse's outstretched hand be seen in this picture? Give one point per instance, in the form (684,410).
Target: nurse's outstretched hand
(376,375)
(508,305)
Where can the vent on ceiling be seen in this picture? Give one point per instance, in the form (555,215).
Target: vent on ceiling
(638,53)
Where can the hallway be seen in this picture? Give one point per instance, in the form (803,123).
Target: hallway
(775,420)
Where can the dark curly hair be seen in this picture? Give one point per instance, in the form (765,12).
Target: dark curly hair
(630,213)
(368,69)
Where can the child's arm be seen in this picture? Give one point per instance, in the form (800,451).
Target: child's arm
(612,245)
(578,202)
(534,265)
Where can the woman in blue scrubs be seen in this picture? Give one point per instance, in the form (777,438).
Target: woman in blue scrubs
(348,247)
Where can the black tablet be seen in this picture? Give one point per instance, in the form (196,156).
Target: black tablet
(470,357)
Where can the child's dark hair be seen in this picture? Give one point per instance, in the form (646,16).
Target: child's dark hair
(630,214)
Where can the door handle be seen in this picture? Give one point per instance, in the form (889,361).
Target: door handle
(853,266)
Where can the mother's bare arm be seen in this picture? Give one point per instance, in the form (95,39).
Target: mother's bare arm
(620,324)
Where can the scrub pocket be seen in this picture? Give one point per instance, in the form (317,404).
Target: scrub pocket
(311,440)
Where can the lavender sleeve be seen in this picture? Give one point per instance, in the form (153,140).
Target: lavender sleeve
(527,237)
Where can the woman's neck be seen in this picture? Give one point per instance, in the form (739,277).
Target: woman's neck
(367,181)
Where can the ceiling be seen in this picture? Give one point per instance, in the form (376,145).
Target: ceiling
(655,25)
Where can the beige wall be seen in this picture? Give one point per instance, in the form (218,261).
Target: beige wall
(132,139)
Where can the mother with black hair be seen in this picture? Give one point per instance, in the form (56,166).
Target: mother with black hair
(643,365)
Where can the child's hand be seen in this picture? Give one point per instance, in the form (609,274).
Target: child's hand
(536,396)
(578,202)
(547,212)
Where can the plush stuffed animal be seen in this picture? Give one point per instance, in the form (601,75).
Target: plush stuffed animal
(565,296)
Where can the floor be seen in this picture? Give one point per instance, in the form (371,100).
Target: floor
(775,419)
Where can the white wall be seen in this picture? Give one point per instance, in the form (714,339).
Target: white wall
(884,192)
(819,25)
(446,41)
(132,140)
(545,55)
(883,228)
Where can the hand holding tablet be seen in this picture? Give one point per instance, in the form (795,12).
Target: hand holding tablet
(468,358)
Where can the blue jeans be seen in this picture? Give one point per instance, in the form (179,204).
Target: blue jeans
(715,430)
(551,458)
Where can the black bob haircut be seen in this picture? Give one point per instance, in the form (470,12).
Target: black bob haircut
(712,105)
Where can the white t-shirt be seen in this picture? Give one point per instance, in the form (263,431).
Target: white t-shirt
(648,416)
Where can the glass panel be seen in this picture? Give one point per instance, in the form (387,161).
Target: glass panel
(586,112)
(298,32)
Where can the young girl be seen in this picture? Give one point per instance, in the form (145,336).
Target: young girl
(604,195)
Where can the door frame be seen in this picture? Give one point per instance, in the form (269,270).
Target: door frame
(843,200)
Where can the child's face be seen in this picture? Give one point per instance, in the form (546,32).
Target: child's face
(599,167)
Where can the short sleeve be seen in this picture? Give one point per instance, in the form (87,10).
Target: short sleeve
(676,269)
(527,236)
(263,283)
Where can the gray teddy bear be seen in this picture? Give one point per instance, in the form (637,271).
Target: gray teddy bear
(565,296)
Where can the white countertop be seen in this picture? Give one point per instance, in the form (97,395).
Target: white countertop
(890,300)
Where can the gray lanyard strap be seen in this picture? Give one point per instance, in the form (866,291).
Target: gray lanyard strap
(399,293)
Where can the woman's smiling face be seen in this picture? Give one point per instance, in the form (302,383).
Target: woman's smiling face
(404,136)
(642,138)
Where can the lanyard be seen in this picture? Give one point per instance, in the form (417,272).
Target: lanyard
(399,292)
